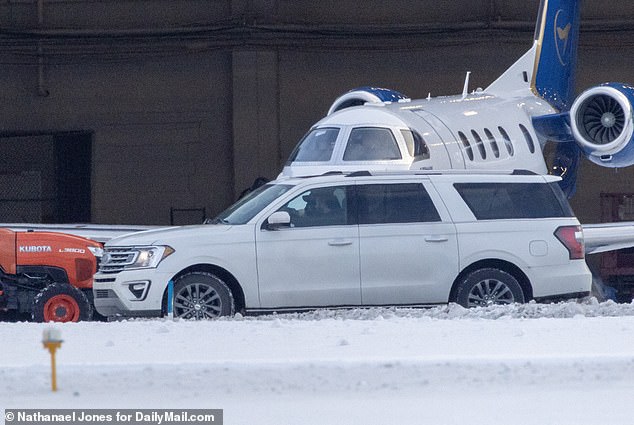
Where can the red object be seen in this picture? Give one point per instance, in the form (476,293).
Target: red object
(572,238)
(47,274)
(61,308)
(617,207)
(67,252)
(617,267)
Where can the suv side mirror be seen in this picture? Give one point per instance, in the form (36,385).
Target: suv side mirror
(278,220)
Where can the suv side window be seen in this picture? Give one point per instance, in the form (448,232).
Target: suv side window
(395,203)
(322,206)
(491,201)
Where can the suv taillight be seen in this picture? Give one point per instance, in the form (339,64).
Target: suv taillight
(572,238)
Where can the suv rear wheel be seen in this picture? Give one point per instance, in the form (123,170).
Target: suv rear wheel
(489,286)
(201,295)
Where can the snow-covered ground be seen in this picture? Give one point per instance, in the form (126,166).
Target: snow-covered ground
(534,364)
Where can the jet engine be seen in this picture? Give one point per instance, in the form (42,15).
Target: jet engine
(362,95)
(602,124)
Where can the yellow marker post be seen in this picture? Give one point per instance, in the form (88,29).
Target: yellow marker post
(52,340)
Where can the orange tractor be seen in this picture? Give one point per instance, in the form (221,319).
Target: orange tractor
(47,274)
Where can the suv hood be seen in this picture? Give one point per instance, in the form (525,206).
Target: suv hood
(164,235)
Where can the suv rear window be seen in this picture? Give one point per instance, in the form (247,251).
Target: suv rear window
(491,201)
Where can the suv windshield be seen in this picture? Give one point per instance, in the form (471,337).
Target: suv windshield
(249,206)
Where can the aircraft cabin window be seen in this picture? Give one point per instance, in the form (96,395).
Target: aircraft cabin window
(507,141)
(466,144)
(492,142)
(317,145)
(371,144)
(529,139)
(416,145)
(479,144)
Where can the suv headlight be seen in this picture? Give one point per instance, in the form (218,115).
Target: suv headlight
(118,258)
(150,257)
(97,252)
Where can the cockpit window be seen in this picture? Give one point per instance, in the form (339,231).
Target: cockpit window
(416,145)
(317,145)
(371,144)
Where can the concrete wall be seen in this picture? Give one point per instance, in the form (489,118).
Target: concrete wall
(189,101)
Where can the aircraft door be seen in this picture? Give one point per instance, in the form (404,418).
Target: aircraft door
(444,151)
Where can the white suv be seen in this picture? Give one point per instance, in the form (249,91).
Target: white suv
(356,240)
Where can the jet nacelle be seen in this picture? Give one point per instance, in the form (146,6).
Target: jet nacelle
(602,124)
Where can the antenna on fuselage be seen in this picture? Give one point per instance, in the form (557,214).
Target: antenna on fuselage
(465,90)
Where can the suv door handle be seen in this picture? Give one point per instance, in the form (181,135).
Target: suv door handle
(436,239)
(340,242)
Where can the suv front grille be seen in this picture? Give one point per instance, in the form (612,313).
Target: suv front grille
(104,293)
(115,260)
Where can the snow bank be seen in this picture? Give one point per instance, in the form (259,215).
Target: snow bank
(568,363)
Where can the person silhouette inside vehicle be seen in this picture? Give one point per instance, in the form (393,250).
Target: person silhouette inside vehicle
(322,208)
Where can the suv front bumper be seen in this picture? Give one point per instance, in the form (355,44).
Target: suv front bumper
(130,293)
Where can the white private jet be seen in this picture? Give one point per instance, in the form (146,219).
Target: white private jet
(504,126)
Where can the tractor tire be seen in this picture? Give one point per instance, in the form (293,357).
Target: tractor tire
(61,302)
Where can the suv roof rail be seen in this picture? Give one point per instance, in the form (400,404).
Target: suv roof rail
(362,173)
(368,173)
(359,173)
(327,173)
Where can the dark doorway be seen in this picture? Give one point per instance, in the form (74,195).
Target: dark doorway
(73,156)
(45,177)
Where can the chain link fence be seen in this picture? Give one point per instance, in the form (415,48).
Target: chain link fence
(21,199)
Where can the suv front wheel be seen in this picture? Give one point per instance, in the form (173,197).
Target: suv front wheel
(201,295)
(489,286)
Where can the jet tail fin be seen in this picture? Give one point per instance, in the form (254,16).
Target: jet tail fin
(555,65)
(549,67)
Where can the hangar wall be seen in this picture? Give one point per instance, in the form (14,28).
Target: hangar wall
(187,102)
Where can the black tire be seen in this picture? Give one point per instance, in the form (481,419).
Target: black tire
(489,286)
(201,295)
(61,302)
